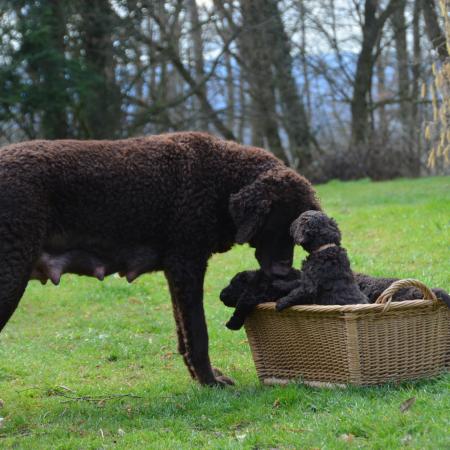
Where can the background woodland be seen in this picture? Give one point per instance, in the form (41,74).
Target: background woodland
(336,88)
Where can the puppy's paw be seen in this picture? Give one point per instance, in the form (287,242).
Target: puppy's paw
(283,303)
(234,323)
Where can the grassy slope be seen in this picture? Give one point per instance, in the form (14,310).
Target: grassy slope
(110,338)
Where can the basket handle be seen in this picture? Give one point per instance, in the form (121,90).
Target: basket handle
(385,297)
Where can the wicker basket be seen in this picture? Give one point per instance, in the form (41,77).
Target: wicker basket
(353,344)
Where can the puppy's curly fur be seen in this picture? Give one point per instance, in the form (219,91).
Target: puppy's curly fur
(326,277)
(372,287)
(248,289)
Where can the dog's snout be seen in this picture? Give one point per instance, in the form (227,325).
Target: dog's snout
(280,268)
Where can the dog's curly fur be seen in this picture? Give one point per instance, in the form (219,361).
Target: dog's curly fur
(184,195)
(373,287)
(248,289)
(326,277)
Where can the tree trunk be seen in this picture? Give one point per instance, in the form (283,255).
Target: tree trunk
(381,94)
(52,66)
(242,108)
(304,61)
(416,119)
(258,72)
(399,27)
(230,91)
(294,115)
(102,98)
(197,48)
(372,28)
(433,29)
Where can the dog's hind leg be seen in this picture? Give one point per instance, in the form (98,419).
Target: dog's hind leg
(20,243)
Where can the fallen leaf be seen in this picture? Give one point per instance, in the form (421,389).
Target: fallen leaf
(2,403)
(241,437)
(406,439)
(407,404)
(135,301)
(120,432)
(347,437)
(276,403)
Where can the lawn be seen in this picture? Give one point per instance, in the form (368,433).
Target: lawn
(94,365)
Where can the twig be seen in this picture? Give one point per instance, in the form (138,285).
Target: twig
(71,395)
(89,398)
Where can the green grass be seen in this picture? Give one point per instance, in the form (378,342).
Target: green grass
(107,339)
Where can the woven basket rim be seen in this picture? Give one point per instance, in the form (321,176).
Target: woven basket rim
(372,307)
(383,304)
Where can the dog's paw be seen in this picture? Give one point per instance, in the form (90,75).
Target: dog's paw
(221,379)
(284,303)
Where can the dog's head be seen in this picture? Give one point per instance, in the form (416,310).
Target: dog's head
(314,229)
(263,212)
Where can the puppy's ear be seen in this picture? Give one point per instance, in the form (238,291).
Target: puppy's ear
(334,232)
(249,208)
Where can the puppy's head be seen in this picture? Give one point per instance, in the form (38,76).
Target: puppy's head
(230,294)
(313,229)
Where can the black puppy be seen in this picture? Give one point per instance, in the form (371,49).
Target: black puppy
(374,286)
(248,289)
(326,277)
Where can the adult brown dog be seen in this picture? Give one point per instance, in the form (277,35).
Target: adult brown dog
(182,195)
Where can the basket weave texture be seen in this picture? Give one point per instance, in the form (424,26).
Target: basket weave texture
(353,344)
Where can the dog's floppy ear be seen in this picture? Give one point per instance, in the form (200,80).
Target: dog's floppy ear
(298,232)
(249,208)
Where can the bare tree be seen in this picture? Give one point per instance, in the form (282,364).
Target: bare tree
(372,27)
(434,32)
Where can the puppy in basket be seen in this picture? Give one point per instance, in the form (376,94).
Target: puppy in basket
(325,277)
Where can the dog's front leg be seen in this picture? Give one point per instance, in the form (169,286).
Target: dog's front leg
(305,293)
(185,277)
(180,336)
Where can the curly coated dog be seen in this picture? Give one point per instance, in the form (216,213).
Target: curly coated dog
(326,277)
(73,206)
(248,289)
(372,287)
